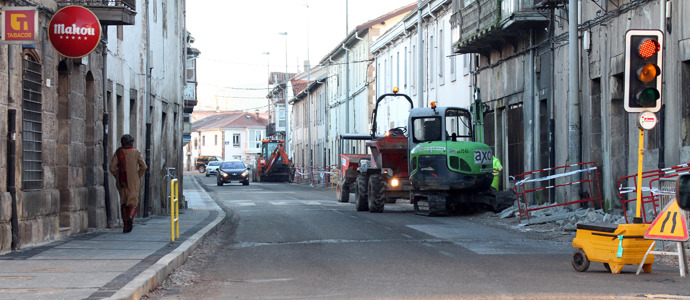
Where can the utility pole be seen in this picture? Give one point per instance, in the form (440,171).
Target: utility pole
(287,128)
(309,127)
(420,57)
(347,73)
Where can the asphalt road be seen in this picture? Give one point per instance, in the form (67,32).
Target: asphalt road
(286,241)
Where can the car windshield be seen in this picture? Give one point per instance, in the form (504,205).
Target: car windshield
(233,165)
(214,163)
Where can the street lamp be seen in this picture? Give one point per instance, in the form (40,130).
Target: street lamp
(268,84)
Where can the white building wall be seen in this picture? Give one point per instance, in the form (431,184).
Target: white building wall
(447,79)
(211,143)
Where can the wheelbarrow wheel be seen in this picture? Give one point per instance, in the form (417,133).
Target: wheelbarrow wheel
(580,261)
(608,268)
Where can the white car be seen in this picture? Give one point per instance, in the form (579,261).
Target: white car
(212,168)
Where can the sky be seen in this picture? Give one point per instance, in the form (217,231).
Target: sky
(233,35)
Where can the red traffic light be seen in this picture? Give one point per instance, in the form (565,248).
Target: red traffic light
(648,48)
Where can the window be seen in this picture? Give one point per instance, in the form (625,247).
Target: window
(32,137)
(426,129)
(414,68)
(385,75)
(215,140)
(453,61)
(466,63)
(441,57)
(379,75)
(405,77)
(390,74)
(203,141)
(397,69)
(255,137)
(432,60)
(281,116)
(235,139)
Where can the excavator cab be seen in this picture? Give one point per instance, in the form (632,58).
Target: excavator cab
(267,147)
(273,163)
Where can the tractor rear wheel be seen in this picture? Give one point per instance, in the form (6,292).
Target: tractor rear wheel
(343,192)
(376,194)
(361,202)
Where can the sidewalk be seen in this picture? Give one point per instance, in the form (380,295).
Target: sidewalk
(107,263)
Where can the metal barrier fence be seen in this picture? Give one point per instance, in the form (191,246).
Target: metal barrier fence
(174,210)
(529,183)
(320,176)
(652,193)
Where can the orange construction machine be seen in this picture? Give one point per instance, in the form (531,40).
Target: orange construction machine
(273,163)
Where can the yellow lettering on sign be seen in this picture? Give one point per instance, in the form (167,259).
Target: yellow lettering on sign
(669,225)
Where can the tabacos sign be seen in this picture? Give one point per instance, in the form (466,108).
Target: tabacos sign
(19,25)
(74,31)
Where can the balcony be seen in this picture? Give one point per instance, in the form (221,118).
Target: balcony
(486,25)
(109,12)
(271,129)
(189,105)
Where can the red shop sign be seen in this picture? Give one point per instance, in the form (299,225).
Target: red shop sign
(74,31)
(20,25)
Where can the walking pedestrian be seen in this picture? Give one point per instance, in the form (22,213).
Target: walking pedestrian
(128,166)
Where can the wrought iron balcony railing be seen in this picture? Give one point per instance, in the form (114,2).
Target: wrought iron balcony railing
(109,12)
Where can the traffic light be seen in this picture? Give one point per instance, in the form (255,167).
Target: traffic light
(643,70)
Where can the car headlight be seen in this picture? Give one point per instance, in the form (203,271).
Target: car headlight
(245,173)
(223,173)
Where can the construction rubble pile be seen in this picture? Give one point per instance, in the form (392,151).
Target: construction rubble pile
(563,217)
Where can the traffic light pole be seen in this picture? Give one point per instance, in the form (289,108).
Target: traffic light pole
(640,160)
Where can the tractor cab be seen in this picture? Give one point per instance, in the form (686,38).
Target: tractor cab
(444,154)
(431,124)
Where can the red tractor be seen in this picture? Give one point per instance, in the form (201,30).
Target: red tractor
(273,163)
(381,176)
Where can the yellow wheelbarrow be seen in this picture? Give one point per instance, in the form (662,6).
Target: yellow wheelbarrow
(615,245)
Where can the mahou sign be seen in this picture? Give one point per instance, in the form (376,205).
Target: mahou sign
(74,31)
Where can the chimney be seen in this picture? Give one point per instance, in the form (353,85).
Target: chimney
(256,111)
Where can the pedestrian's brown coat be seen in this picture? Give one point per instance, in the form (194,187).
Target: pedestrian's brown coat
(136,167)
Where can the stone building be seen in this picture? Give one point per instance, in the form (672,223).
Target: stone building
(524,72)
(61,119)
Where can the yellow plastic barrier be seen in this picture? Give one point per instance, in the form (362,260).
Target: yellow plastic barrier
(615,245)
(174,210)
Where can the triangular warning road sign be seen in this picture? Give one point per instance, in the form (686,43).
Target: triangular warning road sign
(669,225)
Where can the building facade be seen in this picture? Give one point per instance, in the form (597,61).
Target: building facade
(61,119)
(535,120)
(308,116)
(233,135)
(446,78)
(351,90)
